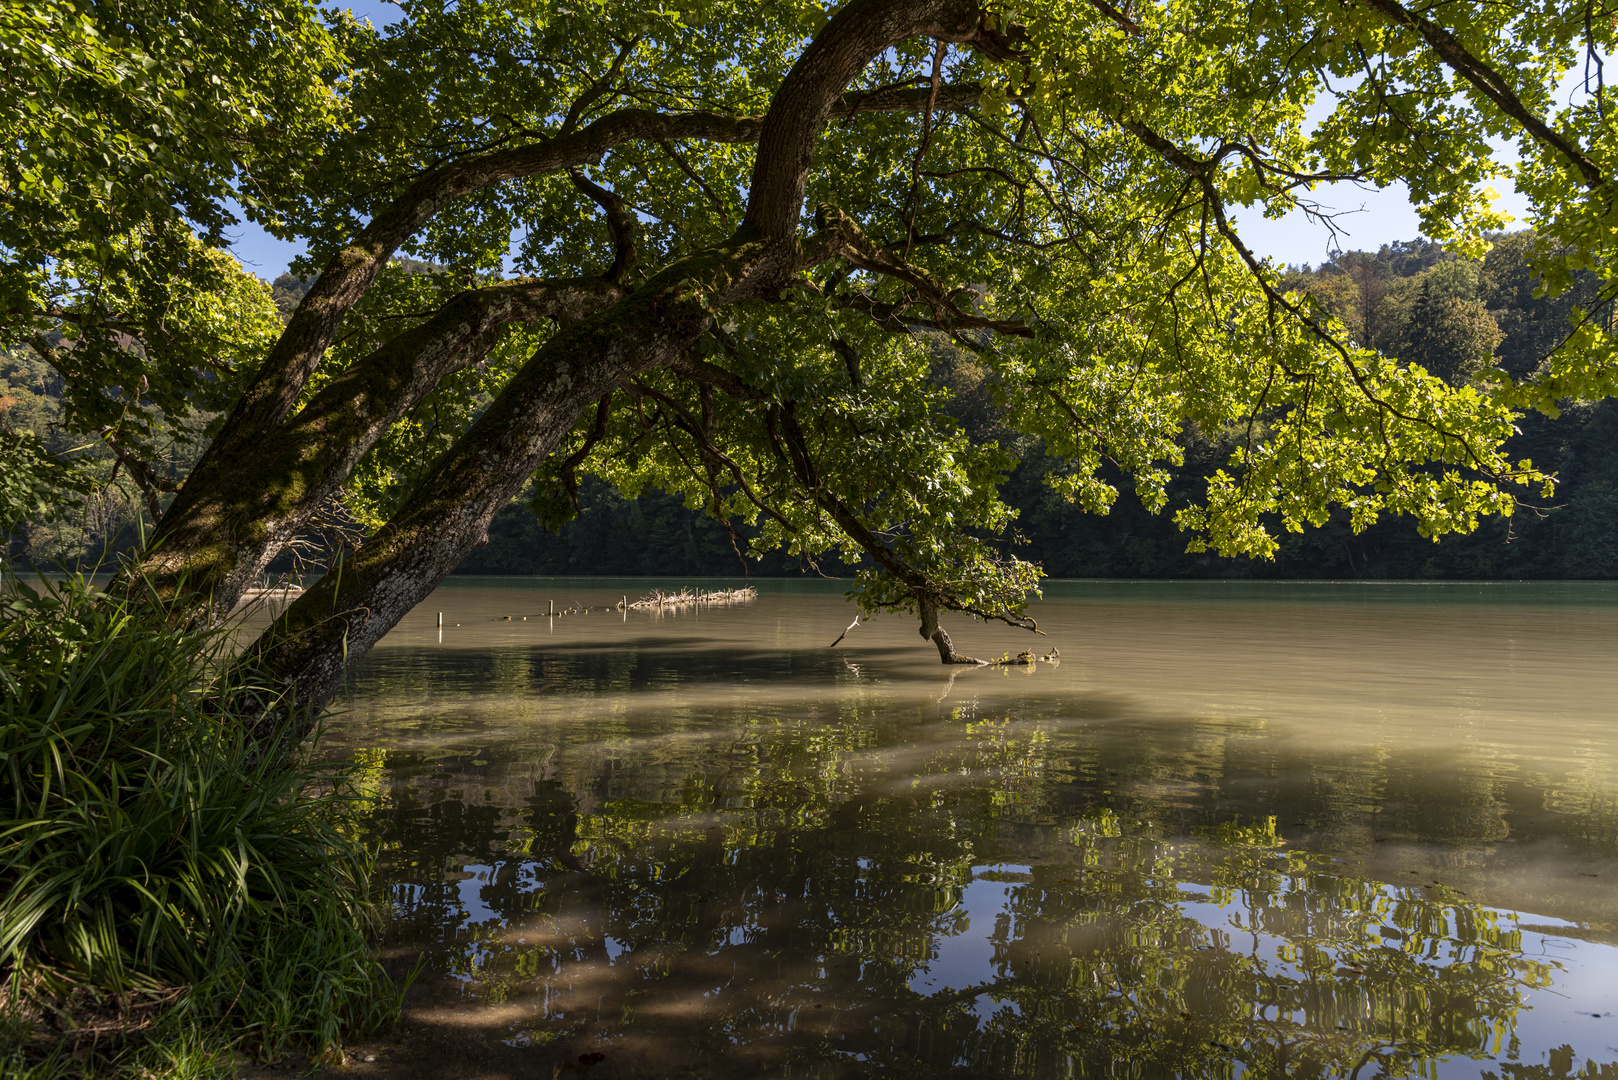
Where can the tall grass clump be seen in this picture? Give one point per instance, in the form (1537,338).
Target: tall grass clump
(160,872)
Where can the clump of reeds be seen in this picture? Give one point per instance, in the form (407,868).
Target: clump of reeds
(694,597)
(158,873)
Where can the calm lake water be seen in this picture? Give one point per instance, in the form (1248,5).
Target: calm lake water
(1253,829)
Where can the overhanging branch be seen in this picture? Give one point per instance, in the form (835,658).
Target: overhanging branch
(1490,83)
(1202,171)
(350,272)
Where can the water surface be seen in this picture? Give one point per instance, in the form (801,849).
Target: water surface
(1248,829)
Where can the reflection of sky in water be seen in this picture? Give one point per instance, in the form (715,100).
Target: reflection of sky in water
(1586,976)
(1578,1010)
(1586,984)
(962,959)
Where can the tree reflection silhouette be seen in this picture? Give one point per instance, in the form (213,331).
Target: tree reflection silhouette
(769,906)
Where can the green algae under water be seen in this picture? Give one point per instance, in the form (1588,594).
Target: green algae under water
(1245,829)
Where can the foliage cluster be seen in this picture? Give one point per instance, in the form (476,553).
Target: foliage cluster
(61,501)
(149,847)
(1467,320)
(131,128)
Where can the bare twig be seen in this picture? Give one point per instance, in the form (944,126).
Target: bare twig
(851,626)
(926,139)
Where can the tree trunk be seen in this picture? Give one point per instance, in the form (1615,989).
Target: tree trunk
(333,624)
(935,633)
(250,496)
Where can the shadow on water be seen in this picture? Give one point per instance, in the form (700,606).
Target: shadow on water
(722,857)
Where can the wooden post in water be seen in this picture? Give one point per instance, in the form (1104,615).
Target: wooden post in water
(441,620)
(551,608)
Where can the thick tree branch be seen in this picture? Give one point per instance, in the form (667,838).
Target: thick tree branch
(350,272)
(1490,83)
(625,255)
(598,89)
(816,85)
(240,509)
(999,42)
(927,608)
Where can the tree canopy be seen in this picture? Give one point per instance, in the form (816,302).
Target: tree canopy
(130,127)
(717,248)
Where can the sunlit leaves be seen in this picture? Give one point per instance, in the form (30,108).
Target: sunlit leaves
(121,113)
(154,335)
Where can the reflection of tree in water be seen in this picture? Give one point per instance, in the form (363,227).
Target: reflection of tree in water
(773,906)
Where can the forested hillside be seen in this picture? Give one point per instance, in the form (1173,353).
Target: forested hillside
(1458,318)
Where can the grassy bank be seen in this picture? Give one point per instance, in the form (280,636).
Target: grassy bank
(170,896)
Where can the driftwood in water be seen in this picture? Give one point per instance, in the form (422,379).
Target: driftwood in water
(695,597)
(268,594)
(844,634)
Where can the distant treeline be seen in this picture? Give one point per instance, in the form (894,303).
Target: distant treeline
(1412,299)
(1575,537)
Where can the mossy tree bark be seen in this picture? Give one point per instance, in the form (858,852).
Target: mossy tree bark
(260,482)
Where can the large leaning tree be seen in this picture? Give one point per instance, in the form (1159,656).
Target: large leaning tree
(720,248)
